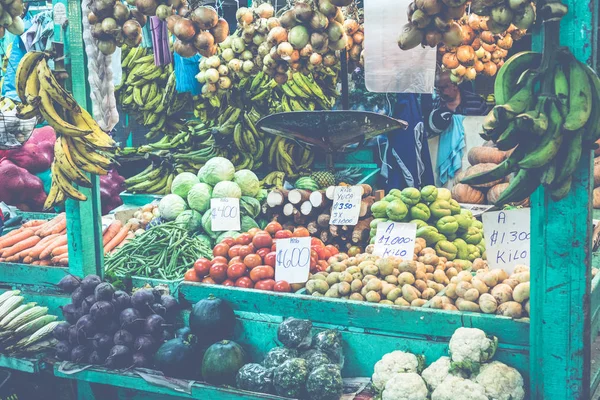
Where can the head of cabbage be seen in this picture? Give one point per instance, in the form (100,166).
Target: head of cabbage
(198,197)
(183,183)
(216,170)
(226,189)
(190,220)
(247,181)
(171,206)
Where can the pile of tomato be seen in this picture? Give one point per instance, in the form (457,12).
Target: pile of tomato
(249,260)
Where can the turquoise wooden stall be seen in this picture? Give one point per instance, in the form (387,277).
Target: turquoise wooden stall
(552,351)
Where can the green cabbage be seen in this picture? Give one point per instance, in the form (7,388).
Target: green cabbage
(247,223)
(226,189)
(248,182)
(250,206)
(183,183)
(223,235)
(190,219)
(199,196)
(171,206)
(216,170)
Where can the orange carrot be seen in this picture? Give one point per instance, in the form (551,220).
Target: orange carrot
(37,249)
(44,263)
(27,243)
(36,262)
(59,241)
(59,226)
(27,260)
(111,231)
(59,251)
(12,259)
(40,229)
(2,259)
(64,261)
(12,233)
(14,239)
(33,222)
(46,231)
(119,237)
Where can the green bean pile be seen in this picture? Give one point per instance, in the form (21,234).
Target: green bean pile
(164,251)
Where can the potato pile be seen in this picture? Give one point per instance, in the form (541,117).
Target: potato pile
(426,281)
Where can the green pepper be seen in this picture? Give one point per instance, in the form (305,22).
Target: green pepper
(396,210)
(410,196)
(447,225)
(420,211)
(446,249)
(439,209)
(429,194)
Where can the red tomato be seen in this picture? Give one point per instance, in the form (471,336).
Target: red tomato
(274,247)
(235,271)
(244,239)
(322,265)
(252,261)
(323,253)
(209,281)
(202,267)
(236,259)
(316,242)
(266,284)
(282,286)
(261,240)
(191,276)
(252,248)
(244,282)
(332,249)
(219,260)
(229,241)
(301,232)
(263,252)
(262,272)
(284,234)
(270,259)
(253,231)
(313,262)
(221,250)
(228,282)
(234,250)
(218,272)
(273,227)
(244,251)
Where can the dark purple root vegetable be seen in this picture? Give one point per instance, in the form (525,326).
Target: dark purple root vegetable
(87,303)
(144,344)
(170,304)
(79,354)
(69,283)
(123,337)
(102,311)
(111,327)
(76,336)
(119,357)
(63,350)
(96,358)
(132,320)
(77,297)
(61,331)
(140,360)
(86,324)
(89,283)
(69,312)
(142,299)
(121,300)
(157,295)
(154,324)
(102,342)
(104,292)
(159,309)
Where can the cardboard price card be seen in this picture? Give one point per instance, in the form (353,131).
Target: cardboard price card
(346,205)
(293,260)
(395,239)
(507,237)
(225,214)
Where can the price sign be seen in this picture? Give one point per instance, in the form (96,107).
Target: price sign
(225,214)
(507,235)
(395,239)
(346,205)
(293,260)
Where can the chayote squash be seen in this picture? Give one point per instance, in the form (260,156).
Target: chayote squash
(464,221)
(473,236)
(420,223)
(396,210)
(447,249)
(447,225)
(454,207)
(420,211)
(473,252)
(440,208)
(462,247)
(410,196)
(379,209)
(429,194)
(444,194)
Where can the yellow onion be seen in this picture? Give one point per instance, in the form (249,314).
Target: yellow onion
(288,19)
(184,29)
(277,35)
(453,36)
(265,10)
(273,22)
(285,49)
(220,31)
(480,52)
(460,70)
(295,56)
(315,59)
(465,54)
(474,21)
(306,51)
(487,56)
(468,34)
(471,74)
(204,40)
(478,65)
(358,37)
(433,37)
(450,60)
(489,68)
(205,16)
(224,82)
(329,60)
(505,42)
(184,49)
(351,26)
(476,44)
(489,47)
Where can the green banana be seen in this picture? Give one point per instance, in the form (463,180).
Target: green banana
(513,68)
(550,143)
(506,167)
(520,187)
(509,138)
(572,155)
(580,97)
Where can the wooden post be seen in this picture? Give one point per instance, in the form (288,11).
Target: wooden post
(561,258)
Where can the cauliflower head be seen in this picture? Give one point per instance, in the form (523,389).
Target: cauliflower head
(405,386)
(457,388)
(438,371)
(500,381)
(469,347)
(396,362)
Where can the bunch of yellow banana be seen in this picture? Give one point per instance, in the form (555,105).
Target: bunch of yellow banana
(81,145)
(289,157)
(155,179)
(549,128)
(302,93)
(274,179)
(6,104)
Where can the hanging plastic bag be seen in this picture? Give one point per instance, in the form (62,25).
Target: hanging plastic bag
(186,70)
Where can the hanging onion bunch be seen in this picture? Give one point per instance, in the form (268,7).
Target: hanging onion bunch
(480,52)
(114,24)
(503,13)
(198,31)
(10,17)
(355,33)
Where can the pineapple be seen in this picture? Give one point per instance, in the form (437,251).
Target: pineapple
(324,178)
(350,176)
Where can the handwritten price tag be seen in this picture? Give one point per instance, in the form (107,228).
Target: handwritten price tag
(292,263)
(346,205)
(507,235)
(225,214)
(395,239)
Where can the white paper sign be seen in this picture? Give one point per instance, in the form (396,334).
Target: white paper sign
(395,239)
(507,235)
(293,260)
(225,214)
(346,205)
